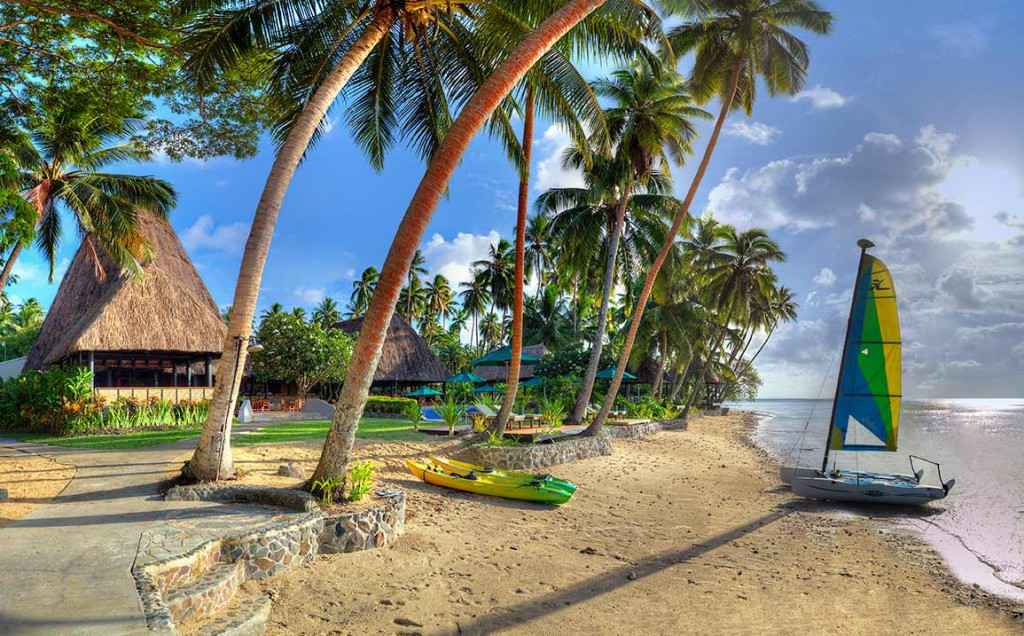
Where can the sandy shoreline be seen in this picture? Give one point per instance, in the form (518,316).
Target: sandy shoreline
(31,481)
(684,532)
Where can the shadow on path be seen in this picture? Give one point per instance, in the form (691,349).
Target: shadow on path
(610,581)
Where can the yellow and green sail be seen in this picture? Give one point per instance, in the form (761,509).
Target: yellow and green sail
(870,385)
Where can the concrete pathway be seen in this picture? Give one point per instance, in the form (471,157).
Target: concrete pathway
(66,567)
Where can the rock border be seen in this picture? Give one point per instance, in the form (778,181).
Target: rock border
(263,552)
(635,430)
(531,456)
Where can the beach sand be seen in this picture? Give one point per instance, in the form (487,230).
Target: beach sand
(684,532)
(31,480)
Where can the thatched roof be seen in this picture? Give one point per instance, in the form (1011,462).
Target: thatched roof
(167,308)
(500,374)
(406,356)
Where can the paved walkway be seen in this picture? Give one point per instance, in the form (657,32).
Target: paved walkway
(66,567)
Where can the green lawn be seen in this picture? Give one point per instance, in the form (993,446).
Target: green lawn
(139,439)
(369,428)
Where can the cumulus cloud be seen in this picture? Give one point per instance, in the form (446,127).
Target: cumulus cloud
(960,290)
(310,295)
(550,172)
(27,270)
(454,258)
(821,98)
(205,233)
(825,278)
(884,179)
(755,132)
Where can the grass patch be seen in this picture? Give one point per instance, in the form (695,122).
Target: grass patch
(123,441)
(369,428)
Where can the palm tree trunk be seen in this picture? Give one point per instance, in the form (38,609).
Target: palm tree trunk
(750,363)
(587,388)
(677,222)
(366,354)
(212,459)
(512,380)
(659,377)
(9,265)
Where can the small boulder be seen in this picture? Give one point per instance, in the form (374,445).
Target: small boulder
(291,469)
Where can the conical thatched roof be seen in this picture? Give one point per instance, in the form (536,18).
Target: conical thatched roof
(167,309)
(406,356)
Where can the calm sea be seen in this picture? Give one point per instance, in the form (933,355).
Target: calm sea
(980,442)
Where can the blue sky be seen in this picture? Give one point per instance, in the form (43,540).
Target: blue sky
(908,133)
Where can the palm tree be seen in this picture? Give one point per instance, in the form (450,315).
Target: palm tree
(491,330)
(782,308)
(439,299)
(275,309)
(299,313)
(414,297)
(362,291)
(327,313)
(59,168)
(650,123)
(734,43)
(495,273)
(538,250)
(560,92)
(475,298)
(413,300)
(317,47)
(341,437)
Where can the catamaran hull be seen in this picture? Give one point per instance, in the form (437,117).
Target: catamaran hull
(896,491)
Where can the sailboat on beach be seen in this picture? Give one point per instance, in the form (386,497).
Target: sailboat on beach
(867,402)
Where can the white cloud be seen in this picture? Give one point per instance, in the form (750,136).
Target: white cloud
(310,295)
(821,97)
(550,172)
(206,234)
(966,39)
(754,132)
(825,278)
(453,259)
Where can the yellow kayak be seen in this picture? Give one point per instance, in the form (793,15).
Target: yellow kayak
(483,484)
(463,469)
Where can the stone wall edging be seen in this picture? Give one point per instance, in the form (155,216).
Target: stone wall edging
(537,455)
(632,431)
(269,549)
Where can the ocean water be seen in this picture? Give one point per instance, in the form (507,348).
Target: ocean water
(979,527)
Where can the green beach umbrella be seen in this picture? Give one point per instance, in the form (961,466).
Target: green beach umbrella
(465,376)
(504,356)
(487,388)
(423,391)
(609,373)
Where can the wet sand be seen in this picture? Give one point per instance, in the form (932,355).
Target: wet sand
(684,532)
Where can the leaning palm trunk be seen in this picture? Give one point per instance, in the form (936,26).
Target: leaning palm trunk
(587,388)
(750,362)
(212,459)
(338,447)
(677,223)
(5,275)
(512,380)
(39,197)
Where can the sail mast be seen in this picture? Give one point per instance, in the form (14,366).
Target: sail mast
(864,246)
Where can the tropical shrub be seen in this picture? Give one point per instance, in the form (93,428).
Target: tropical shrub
(60,401)
(360,479)
(451,412)
(388,405)
(414,414)
(328,487)
(553,411)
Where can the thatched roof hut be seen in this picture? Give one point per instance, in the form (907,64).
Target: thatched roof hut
(499,373)
(164,317)
(406,357)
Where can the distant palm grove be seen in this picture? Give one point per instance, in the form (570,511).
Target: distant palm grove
(617,274)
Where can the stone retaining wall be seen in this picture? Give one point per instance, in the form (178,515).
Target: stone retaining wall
(632,431)
(674,425)
(198,584)
(538,455)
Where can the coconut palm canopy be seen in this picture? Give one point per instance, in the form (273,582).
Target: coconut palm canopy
(406,357)
(166,309)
